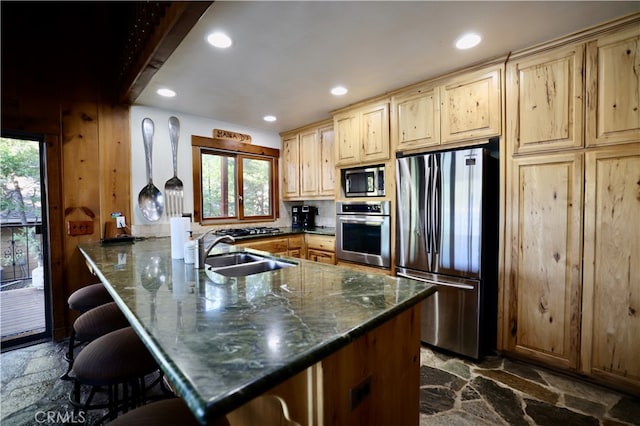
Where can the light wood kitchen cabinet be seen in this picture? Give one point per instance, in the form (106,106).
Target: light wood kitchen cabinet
(292,245)
(290,167)
(570,294)
(362,134)
(416,118)
(308,162)
(321,248)
(321,256)
(611,277)
(545,101)
(470,106)
(613,87)
(542,289)
(327,161)
(278,246)
(296,247)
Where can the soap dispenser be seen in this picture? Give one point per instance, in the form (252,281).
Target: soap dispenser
(190,250)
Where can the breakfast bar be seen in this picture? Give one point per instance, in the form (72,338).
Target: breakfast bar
(349,338)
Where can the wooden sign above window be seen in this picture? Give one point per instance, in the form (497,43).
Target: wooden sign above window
(229,135)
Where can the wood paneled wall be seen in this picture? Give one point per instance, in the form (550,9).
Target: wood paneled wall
(53,84)
(69,71)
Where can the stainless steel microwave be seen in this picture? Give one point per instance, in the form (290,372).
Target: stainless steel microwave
(363,182)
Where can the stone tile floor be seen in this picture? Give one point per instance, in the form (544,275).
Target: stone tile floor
(31,392)
(495,391)
(500,391)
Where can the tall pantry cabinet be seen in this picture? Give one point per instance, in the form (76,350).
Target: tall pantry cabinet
(571,286)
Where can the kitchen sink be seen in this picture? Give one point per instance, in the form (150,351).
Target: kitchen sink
(242,264)
(230,259)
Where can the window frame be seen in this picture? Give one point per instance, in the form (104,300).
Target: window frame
(240,151)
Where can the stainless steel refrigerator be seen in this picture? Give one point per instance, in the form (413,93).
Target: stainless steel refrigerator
(446,234)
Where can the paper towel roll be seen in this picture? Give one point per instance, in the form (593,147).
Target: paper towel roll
(180,227)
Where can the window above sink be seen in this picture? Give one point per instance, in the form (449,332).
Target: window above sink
(234,182)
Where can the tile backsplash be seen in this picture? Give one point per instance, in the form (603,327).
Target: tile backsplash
(326,217)
(326,212)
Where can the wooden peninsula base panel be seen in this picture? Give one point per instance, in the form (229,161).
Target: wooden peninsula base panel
(375,380)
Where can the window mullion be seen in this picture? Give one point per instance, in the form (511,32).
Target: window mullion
(240,185)
(224,185)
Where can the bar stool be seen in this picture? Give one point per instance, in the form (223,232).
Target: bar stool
(92,324)
(116,360)
(167,412)
(267,410)
(83,300)
(89,297)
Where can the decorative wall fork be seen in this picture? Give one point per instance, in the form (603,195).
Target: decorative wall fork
(173,188)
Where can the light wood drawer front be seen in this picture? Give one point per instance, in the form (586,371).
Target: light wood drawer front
(321,256)
(321,242)
(272,246)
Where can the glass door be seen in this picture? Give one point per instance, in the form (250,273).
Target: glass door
(25,310)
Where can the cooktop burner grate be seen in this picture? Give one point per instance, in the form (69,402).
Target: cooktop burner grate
(241,232)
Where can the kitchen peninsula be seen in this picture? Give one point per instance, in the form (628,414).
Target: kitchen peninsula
(340,346)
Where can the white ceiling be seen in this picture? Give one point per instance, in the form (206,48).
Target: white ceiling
(287,55)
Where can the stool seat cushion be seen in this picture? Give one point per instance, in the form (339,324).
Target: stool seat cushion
(89,297)
(166,412)
(99,321)
(115,357)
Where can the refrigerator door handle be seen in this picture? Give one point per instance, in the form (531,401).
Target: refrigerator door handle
(424,280)
(428,240)
(436,194)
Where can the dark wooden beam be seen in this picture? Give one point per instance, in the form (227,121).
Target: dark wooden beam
(166,24)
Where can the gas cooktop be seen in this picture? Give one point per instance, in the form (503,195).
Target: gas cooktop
(242,232)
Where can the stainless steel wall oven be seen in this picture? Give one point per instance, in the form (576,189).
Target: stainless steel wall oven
(363,232)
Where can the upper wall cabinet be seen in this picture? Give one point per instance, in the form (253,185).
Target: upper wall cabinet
(308,162)
(362,134)
(545,95)
(544,101)
(290,167)
(416,118)
(613,88)
(327,179)
(471,106)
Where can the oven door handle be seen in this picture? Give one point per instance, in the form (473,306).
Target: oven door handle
(444,284)
(376,219)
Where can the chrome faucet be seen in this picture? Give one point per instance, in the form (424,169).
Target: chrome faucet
(203,252)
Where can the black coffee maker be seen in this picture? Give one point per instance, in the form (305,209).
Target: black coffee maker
(309,216)
(296,217)
(303,217)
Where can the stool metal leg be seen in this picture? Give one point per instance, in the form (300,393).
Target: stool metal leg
(69,355)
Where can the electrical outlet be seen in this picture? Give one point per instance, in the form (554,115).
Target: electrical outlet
(120,223)
(79,227)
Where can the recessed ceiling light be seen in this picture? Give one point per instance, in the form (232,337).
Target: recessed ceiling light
(167,93)
(269,118)
(219,39)
(339,91)
(468,41)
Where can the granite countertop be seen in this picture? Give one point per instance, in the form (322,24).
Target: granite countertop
(320,230)
(224,341)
